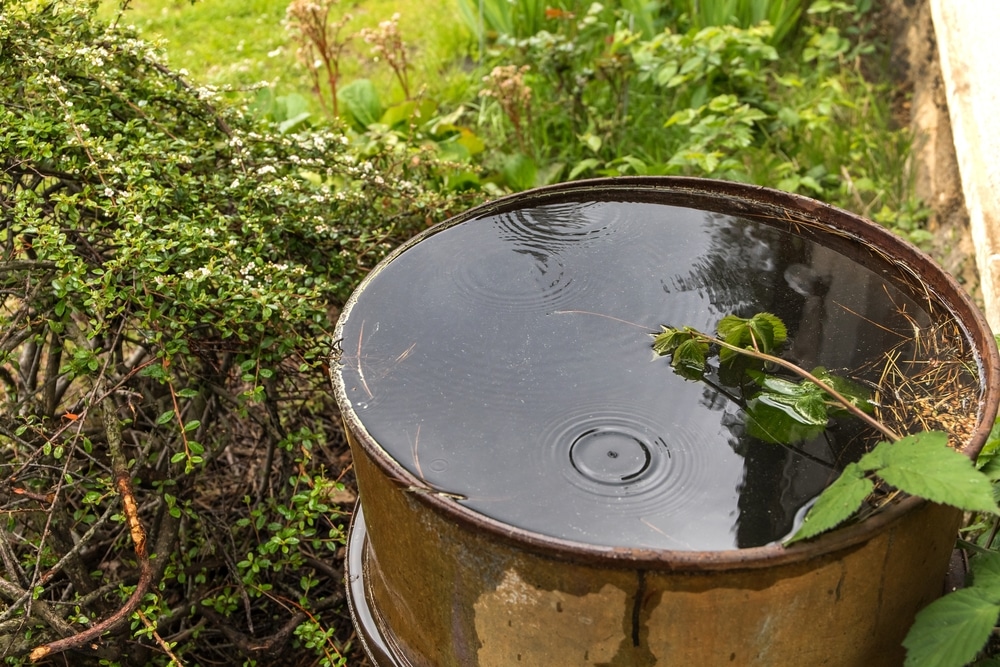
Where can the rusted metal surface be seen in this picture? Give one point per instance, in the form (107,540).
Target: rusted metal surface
(448,586)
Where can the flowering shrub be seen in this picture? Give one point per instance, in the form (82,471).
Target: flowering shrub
(170,274)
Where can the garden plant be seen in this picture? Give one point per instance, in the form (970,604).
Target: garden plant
(175,481)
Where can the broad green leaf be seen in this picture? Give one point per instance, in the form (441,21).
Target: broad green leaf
(778,422)
(361,101)
(735,331)
(873,460)
(992,446)
(768,330)
(294,123)
(763,332)
(667,341)
(775,385)
(991,468)
(836,504)
(520,172)
(730,328)
(812,406)
(950,631)
(986,573)
(165,417)
(857,394)
(805,408)
(923,465)
(689,359)
(582,166)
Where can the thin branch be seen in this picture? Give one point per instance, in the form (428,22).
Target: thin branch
(123,480)
(13,592)
(801,372)
(25,265)
(159,640)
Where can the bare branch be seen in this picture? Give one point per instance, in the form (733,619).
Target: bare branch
(123,481)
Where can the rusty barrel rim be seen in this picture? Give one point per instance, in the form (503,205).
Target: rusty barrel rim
(743,199)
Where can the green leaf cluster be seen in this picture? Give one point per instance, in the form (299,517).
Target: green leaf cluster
(170,254)
(951,631)
(786,411)
(762,332)
(760,91)
(687,348)
(921,464)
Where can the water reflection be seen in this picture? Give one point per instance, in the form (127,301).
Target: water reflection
(517,346)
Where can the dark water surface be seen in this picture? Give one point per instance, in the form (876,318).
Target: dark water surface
(508,360)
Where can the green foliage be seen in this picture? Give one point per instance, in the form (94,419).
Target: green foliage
(837,503)
(783,15)
(784,411)
(174,260)
(781,411)
(921,464)
(763,332)
(951,631)
(189,257)
(688,351)
(721,95)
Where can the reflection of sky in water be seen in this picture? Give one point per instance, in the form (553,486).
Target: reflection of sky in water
(501,358)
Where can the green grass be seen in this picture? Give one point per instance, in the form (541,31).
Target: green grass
(240,43)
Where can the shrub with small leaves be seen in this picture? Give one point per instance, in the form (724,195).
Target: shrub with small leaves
(171,270)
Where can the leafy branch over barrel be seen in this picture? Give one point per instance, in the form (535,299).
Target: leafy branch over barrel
(782,411)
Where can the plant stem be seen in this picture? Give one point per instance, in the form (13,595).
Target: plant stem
(798,370)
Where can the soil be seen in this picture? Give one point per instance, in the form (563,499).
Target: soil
(922,104)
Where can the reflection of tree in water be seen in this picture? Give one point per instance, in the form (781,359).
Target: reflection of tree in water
(750,268)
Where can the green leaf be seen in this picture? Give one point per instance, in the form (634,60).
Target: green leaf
(778,423)
(192,425)
(689,359)
(763,332)
(587,164)
(360,100)
(667,341)
(923,465)
(165,417)
(991,469)
(187,393)
(986,573)
(769,332)
(992,446)
(950,631)
(857,394)
(836,504)
(520,172)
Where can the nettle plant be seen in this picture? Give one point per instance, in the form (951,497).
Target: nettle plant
(784,404)
(170,272)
